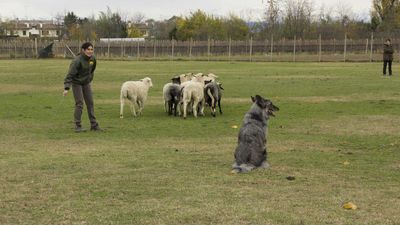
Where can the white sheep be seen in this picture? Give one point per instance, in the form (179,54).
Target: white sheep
(210,77)
(193,94)
(185,77)
(135,92)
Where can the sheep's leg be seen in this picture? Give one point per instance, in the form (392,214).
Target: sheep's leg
(170,107)
(185,103)
(133,107)
(219,106)
(212,102)
(213,106)
(202,107)
(165,105)
(180,108)
(175,105)
(195,103)
(121,112)
(189,107)
(173,108)
(141,106)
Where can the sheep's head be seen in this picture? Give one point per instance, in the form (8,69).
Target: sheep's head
(147,80)
(176,80)
(198,78)
(212,75)
(220,86)
(185,77)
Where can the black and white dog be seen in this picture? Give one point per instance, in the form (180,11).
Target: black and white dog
(251,151)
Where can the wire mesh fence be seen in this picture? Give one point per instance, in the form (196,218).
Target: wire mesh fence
(317,50)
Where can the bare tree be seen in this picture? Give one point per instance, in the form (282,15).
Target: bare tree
(138,18)
(344,13)
(272,14)
(298,17)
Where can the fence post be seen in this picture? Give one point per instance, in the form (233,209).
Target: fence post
(230,48)
(251,48)
(122,49)
(190,49)
(272,46)
(172,49)
(372,47)
(320,48)
(294,49)
(15,49)
(366,47)
(108,49)
(334,45)
(154,48)
(138,50)
(208,49)
(345,47)
(36,48)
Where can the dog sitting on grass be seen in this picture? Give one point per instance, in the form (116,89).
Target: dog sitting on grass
(251,151)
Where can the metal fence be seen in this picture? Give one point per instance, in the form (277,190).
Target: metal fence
(317,50)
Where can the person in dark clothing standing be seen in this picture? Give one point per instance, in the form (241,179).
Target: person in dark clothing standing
(387,56)
(79,77)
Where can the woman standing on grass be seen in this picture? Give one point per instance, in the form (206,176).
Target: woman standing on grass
(387,56)
(80,76)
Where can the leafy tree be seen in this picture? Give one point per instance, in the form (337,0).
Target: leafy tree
(163,30)
(386,14)
(88,29)
(134,32)
(70,20)
(236,28)
(110,25)
(200,26)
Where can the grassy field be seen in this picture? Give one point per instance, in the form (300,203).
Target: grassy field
(337,133)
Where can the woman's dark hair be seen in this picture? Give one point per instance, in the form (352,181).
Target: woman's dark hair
(86,45)
(389,40)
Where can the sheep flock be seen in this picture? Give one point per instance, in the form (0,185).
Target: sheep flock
(186,94)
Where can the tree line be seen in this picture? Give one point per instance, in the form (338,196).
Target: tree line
(282,20)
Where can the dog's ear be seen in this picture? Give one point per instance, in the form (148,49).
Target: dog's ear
(260,101)
(253,99)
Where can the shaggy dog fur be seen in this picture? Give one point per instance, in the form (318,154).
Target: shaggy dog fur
(251,151)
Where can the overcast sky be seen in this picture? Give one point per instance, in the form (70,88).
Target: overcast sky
(157,9)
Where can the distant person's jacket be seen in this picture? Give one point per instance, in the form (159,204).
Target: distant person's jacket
(388,52)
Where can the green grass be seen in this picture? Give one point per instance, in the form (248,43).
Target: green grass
(157,169)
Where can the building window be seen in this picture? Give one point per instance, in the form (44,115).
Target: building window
(24,32)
